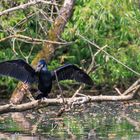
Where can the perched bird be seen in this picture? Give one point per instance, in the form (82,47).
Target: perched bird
(22,71)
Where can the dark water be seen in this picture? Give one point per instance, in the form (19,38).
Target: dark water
(105,120)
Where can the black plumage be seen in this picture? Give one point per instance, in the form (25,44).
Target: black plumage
(18,69)
(22,71)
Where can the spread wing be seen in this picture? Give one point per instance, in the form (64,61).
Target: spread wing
(71,72)
(18,69)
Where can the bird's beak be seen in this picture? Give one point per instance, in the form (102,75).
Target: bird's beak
(38,69)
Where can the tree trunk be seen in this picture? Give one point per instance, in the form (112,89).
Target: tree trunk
(48,48)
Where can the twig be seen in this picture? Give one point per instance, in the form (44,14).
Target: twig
(80,94)
(77,91)
(134,89)
(24,20)
(33,40)
(94,44)
(61,92)
(45,16)
(134,86)
(23,6)
(118,91)
(60,112)
(26,56)
(93,57)
(13,46)
(43,29)
(52,9)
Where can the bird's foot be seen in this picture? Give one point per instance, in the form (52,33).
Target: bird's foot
(41,96)
(58,96)
(11,103)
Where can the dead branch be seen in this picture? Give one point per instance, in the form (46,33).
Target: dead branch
(132,87)
(24,20)
(36,104)
(28,39)
(24,6)
(118,91)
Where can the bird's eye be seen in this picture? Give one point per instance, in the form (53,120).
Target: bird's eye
(40,65)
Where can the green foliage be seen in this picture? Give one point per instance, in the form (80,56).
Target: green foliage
(106,22)
(10,126)
(15,23)
(54,64)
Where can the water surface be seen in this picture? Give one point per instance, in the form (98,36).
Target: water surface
(104,120)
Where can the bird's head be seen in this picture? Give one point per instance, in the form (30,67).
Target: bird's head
(42,65)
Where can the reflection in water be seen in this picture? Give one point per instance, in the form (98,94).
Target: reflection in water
(19,137)
(133,122)
(111,120)
(21,120)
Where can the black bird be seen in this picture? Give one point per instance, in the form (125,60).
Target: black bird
(22,71)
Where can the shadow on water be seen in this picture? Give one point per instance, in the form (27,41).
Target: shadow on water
(105,120)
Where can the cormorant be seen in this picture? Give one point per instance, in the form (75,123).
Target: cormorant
(22,71)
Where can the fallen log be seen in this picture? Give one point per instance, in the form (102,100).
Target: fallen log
(36,104)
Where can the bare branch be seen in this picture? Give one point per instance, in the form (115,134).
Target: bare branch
(77,91)
(70,101)
(24,20)
(33,40)
(118,91)
(55,101)
(23,6)
(134,86)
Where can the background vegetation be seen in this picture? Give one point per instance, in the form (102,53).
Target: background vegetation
(106,22)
